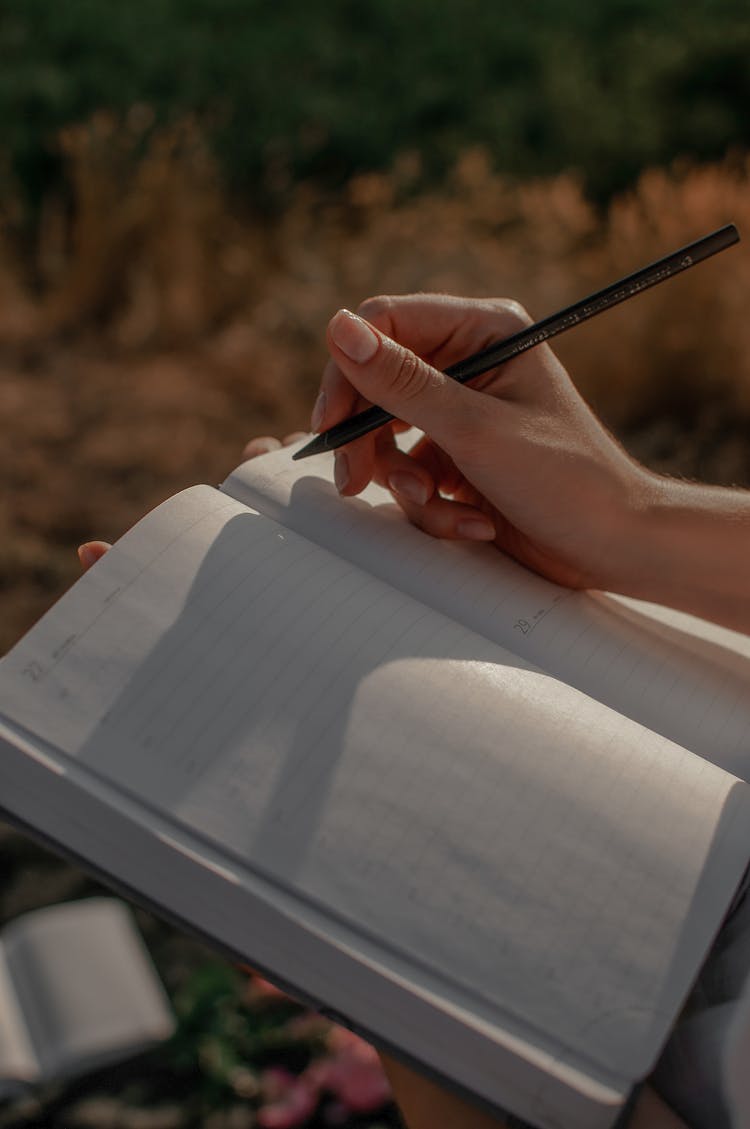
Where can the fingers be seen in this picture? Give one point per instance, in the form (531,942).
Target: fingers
(408,478)
(442,328)
(416,480)
(336,400)
(384,372)
(264,444)
(448,519)
(439,330)
(439,465)
(91,552)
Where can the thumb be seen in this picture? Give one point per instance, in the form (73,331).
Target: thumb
(396,379)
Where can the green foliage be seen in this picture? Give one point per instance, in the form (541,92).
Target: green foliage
(220,1037)
(230,1041)
(292,90)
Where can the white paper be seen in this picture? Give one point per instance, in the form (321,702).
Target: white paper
(677,675)
(523,842)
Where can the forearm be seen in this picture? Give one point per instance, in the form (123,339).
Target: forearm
(689,547)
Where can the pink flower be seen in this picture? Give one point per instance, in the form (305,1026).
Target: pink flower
(288,1101)
(353,1073)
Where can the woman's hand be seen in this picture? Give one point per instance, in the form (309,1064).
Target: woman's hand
(518,459)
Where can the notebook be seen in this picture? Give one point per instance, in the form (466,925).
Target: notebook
(492,824)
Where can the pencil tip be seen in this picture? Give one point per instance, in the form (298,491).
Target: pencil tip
(315,447)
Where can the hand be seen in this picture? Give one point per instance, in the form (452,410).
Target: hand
(518,459)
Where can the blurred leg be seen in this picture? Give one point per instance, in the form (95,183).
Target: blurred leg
(652,1113)
(426,1105)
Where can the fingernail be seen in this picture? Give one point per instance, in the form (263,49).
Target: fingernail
(87,556)
(340,470)
(409,487)
(353,336)
(475,529)
(318,412)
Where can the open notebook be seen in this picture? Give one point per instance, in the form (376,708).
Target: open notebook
(492,824)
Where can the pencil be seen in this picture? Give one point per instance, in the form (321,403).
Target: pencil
(563,320)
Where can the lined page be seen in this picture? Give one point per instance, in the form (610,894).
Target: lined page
(537,855)
(680,676)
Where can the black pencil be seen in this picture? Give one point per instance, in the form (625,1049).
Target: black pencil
(475,365)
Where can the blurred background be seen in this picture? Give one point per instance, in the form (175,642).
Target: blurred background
(190,188)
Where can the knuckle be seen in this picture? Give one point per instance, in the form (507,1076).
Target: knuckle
(514,316)
(416,514)
(377,310)
(410,377)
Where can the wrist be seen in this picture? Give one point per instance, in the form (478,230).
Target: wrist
(688,546)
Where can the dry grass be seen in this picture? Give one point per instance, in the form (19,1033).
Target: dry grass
(152,331)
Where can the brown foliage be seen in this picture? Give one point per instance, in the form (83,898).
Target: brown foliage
(153,330)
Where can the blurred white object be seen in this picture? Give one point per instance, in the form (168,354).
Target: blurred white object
(78,990)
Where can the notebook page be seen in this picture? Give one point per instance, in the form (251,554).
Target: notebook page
(492,831)
(682,677)
(17,1058)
